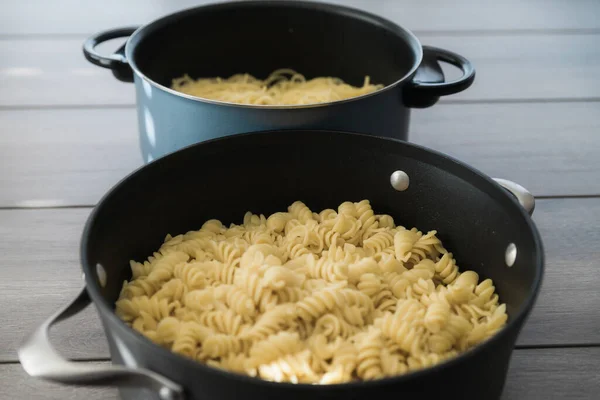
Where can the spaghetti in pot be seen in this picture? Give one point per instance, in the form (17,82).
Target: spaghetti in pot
(282,87)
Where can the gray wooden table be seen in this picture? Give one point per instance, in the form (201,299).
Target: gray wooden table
(68,133)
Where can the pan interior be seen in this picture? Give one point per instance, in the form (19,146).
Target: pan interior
(266,172)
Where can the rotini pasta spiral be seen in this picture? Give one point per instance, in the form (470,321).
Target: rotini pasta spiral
(310,297)
(312,307)
(446,270)
(299,211)
(194,275)
(163,267)
(173,290)
(326,269)
(190,335)
(274,347)
(370,284)
(130,309)
(437,316)
(220,345)
(369,365)
(378,242)
(333,326)
(366,216)
(139,287)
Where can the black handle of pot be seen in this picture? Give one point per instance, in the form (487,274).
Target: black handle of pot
(117,61)
(429,82)
(41,360)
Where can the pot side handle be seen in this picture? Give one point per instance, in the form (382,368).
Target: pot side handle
(429,82)
(523,196)
(117,61)
(41,360)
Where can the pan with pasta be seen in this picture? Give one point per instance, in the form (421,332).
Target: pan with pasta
(304,264)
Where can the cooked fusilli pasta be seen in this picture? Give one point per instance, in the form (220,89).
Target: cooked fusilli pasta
(308,297)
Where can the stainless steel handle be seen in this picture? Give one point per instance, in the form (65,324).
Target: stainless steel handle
(523,196)
(41,360)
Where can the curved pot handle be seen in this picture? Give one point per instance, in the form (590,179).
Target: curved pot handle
(429,82)
(523,196)
(116,61)
(39,359)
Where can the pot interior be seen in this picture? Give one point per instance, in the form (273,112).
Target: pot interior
(260,37)
(266,172)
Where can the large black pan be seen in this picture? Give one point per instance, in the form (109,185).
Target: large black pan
(485,226)
(258,37)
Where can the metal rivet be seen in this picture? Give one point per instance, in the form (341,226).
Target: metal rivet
(511,255)
(101,273)
(399,180)
(166,394)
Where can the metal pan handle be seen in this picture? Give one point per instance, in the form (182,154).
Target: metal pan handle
(41,360)
(117,62)
(523,196)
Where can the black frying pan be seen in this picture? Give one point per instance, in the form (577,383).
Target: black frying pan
(485,227)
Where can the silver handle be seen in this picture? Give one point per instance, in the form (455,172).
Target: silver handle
(41,360)
(524,197)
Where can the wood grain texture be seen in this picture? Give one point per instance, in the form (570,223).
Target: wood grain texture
(549,148)
(39,16)
(568,302)
(553,374)
(42,273)
(51,72)
(543,374)
(64,157)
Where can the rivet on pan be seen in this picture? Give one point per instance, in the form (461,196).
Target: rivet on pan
(166,394)
(101,273)
(399,180)
(511,255)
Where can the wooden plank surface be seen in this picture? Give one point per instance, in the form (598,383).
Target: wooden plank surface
(553,374)
(68,132)
(77,17)
(542,374)
(568,302)
(549,148)
(65,157)
(53,72)
(41,272)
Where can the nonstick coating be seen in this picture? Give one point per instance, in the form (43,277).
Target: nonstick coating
(258,37)
(264,173)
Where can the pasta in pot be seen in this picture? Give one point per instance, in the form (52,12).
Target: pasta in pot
(308,297)
(282,87)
